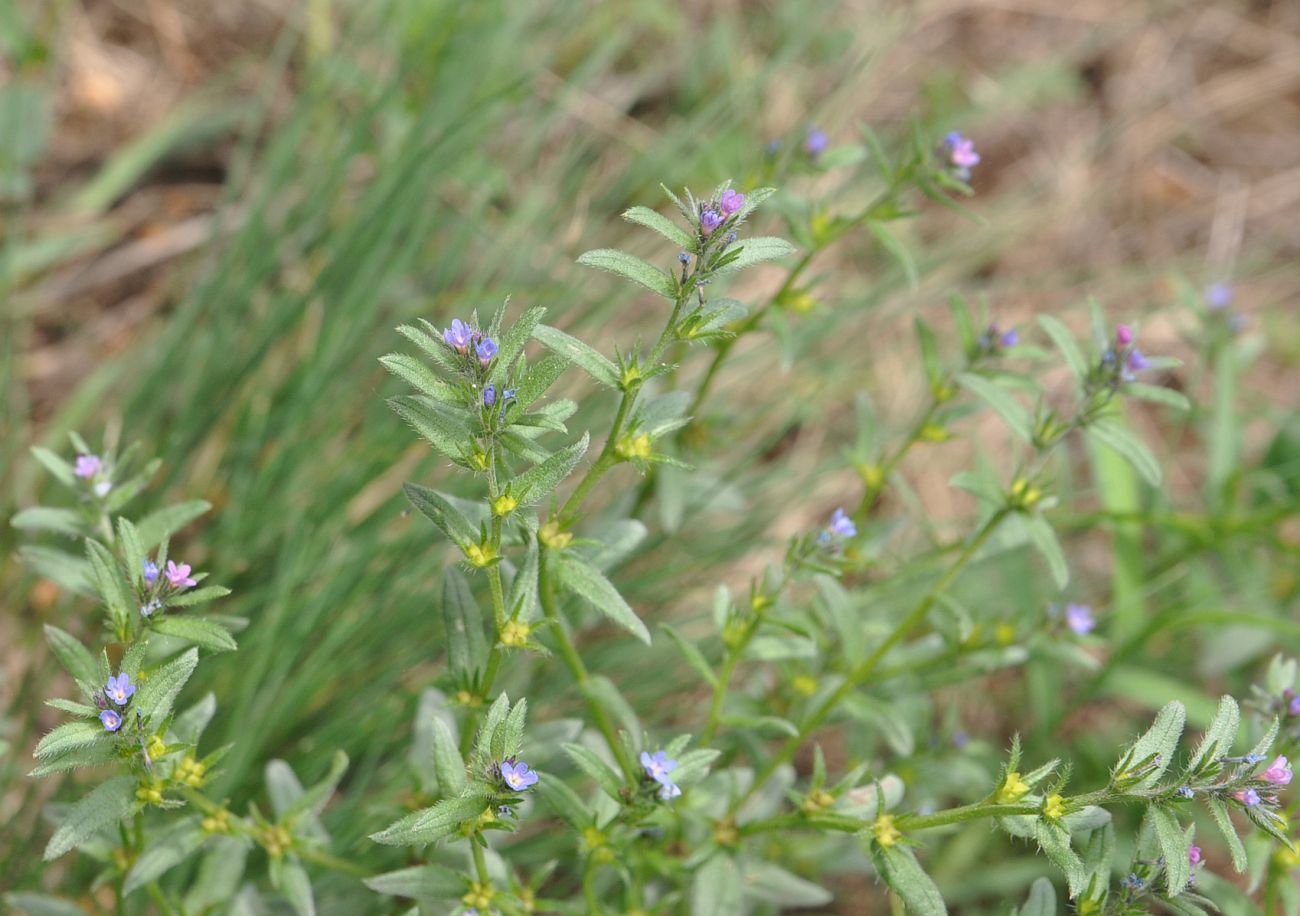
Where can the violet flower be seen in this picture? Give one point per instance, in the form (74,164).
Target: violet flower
(111,720)
(120,689)
(179,576)
(1278,772)
(486,349)
(87,466)
(458,336)
(731,201)
(1078,617)
(517,776)
(710,219)
(816,143)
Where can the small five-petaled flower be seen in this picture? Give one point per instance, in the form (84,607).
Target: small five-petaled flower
(841,526)
(657,766)
(87,466)
(1078,617)
(962,155)
(111,720)
(517,776)
(1278,772)
(120,689)
(731,201)
(179,576)
(458,336)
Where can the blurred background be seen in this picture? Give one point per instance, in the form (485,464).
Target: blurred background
(214,214)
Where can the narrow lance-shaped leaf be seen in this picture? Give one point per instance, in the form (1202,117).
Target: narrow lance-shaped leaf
(661,224)
(540,480)
(580,354)
(589,583)
(899,869)
(1065,342)
(433,823)
(1109,432)
(156,695)
(197,630)
(1174,846)
(466,644)
(107,804)
(1004,405)
(632,268)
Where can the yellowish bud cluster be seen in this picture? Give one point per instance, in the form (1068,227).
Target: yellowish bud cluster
(805,684)
(504,504)
(150,793)
(1025,495)
(885,832)
(479,896)
(1054,807)
(817,801)
(480,555)
(552,536)
(515,633)
(276,841)
(631,448)
(190,772)
(1013,789)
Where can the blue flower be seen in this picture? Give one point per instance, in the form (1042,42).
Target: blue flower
(1078,617)
(1248,797)
(486,349)
(710,219)
(112,721)
(1137,362)
(87,466)
(458,336)
(489,395)
(150,572)
(657,766)
(816,142)
(517,776)
(120,689)
(1219,296)
(841,525)
(507,395)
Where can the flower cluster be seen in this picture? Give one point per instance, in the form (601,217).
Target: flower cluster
(117,693)
(93,470)
(157,586)
(713,214)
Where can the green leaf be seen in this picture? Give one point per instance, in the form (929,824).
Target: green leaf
(589,583)
(155,527)
(40,518)
(512,342)
(437,424)
(420,377)
(42,905)
(1065,342)
(197,630)
(630,267)
(1043,537)
(157,694)
(62,470)
(509,738)
(69,736)
(896,250)
(1110,432)
(899,869)
(1158,743)
(197,596)
(1218,738)
(433,823)
(591,764)
(766,882)
(107,804)
(313,800)
(755,251)
(448,766)
(75,658)
(651,219)
(435,507)
(422,882)
(539,378)
(220,872)
(1055,843)
(1157,395)
(1012,412)
(69,571)
(1174,847)
(108,581)
(290,878)
(1221,819)
(693,656)
(173,846)
(541,479)
(578,353)
(467,649)
(1042,899)
(716,889)
(557,796)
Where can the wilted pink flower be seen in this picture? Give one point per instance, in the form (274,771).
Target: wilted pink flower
(1194,855)
(1123,335)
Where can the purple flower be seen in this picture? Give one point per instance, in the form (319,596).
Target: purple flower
(960,739)
(1194,856)
(731,202)
(120,689)
(657,766)
(710,219)
(458,336)
(1278,772)
(112,721)
(179,576)
(1137,362)
(1123,335)
(1009,338)
(841,525)
(1078,617)
(1185,792)
(489,395)
(486,349)
(517,775)
(816,142)
(1248,797)
(995,337)
(150,572)
(1294,708)
(1219,296)
(87,466)
(962,155)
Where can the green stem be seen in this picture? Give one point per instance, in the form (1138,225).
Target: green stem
(480,860)
(719,693)
(333,862)
(859,675)
(604,461)
(573,661)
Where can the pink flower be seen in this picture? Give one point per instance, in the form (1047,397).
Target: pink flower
(731,202)
(179,576)
(87,466)
(1123,335)
(1194,855)
(1278,772)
